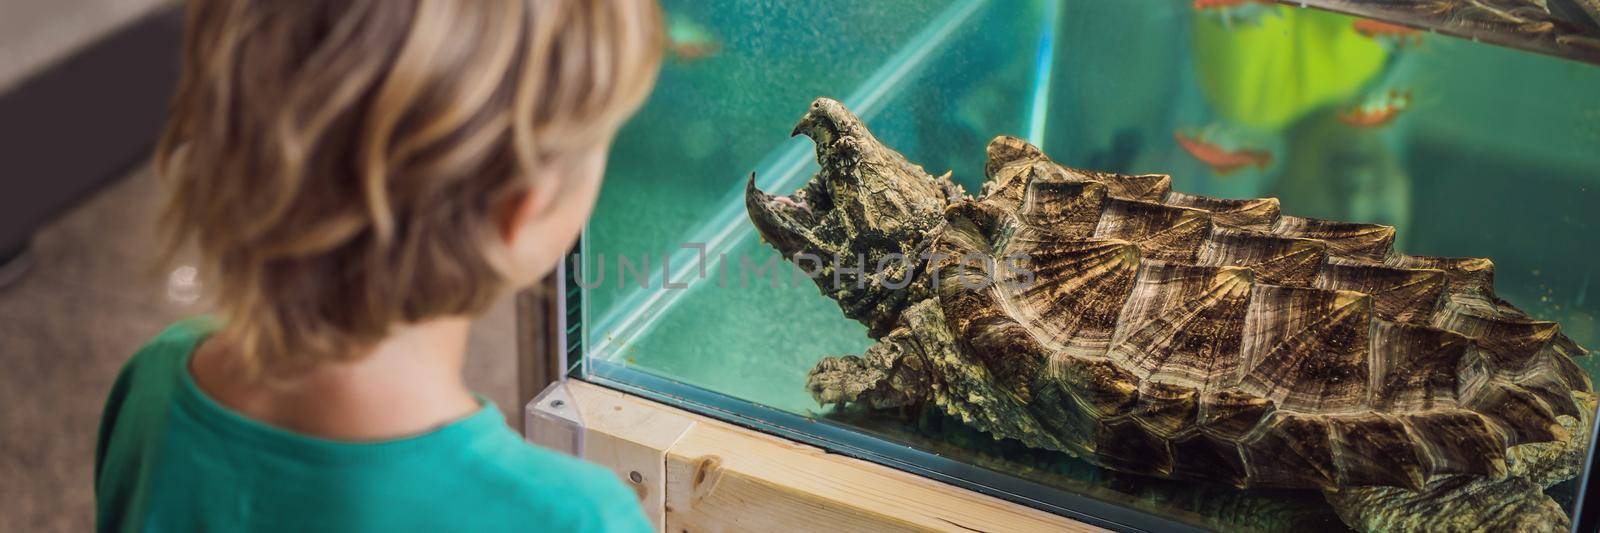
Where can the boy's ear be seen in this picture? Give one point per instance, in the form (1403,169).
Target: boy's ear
(521,209)
(510,214)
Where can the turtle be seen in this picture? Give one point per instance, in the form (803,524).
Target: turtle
(1158,333)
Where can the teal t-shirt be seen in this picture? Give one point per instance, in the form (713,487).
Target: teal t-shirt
(172,459)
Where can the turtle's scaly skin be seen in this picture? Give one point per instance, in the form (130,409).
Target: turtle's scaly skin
(1174,335)
(1477,503)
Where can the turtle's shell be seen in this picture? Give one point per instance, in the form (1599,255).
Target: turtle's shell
(1184,336)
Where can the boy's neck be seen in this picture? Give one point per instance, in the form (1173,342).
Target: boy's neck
(409,384)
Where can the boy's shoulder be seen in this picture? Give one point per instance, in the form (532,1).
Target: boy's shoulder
(155,372)
(160,362)
(171,347)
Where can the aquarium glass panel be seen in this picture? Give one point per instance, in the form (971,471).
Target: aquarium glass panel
(1465,149)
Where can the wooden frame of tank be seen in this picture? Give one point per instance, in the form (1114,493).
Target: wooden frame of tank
(693,473)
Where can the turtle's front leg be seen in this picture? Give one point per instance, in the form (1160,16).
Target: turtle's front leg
(890,374)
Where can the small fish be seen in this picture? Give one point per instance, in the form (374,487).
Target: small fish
(1222,161)
(1377,114)
(689,41)
(1379,30)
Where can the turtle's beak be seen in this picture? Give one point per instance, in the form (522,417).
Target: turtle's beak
(784,221)
(824,121)
(806,124)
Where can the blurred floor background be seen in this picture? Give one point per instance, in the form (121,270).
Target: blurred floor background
(95,294)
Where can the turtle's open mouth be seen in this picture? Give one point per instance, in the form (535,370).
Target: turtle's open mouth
(813,197)
(788,222)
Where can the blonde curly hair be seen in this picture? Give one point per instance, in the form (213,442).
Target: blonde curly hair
(334,163)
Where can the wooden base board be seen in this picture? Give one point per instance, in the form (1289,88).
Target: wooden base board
(698,474)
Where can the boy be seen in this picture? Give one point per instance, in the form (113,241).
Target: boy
(361,178)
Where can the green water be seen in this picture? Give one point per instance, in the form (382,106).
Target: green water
(713,121)
(1497,155)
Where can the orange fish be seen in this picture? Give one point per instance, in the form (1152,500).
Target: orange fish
(1222,161)
(1373,116)
(1374,29)
(688,51)
(689,41)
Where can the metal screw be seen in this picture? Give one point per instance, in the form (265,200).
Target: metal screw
(557,404)
(636,476)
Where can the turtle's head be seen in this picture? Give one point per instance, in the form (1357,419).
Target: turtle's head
(828,120)
(866,207)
